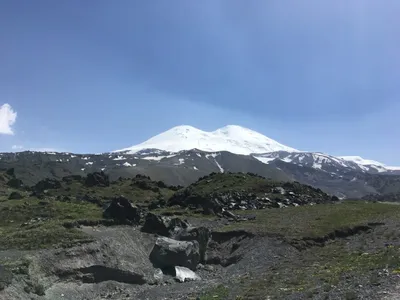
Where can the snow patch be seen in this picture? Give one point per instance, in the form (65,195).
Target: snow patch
(265,160)
(89,163)
(219,166)
(158,157)
(119,158)
(232,138)
(317,166)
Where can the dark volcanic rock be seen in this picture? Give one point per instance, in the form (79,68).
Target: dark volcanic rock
(178,230)
(97,179)
(15,183)
(71,178)
(123,210)
(200,234)
(5,277)
(390,197)
(46,184)
(15,196)
(170,253)
(11,172)
(210,194)
(162,225)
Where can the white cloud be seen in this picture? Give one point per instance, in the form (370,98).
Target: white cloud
(17,147)
(46,149)
(7,119)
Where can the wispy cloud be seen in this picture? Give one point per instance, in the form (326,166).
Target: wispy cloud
(45,149)
(17,147)
(7,119)
(36,149)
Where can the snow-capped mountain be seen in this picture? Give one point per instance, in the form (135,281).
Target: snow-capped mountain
(325,162)
(239,140)
(368,163)
(231,138)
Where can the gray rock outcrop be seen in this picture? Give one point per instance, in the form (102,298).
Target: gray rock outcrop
(168,252)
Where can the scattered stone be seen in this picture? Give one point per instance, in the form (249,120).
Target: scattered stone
(209,268)
(158,275)
(168,252)
(122,209)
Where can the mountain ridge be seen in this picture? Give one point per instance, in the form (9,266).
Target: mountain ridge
(240,140)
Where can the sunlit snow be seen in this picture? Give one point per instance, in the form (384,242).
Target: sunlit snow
(232,138)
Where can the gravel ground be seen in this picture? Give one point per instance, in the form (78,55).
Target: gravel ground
(251,262)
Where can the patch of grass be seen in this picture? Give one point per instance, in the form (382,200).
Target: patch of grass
(335,262)
(19,211)
(35,224)
(247,183)
(318,270)
(218,292)
(138,190)
(40,236)
(226,182)
(317,220)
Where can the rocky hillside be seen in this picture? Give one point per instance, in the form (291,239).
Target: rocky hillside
(226,236)
(187,167)
(231,191)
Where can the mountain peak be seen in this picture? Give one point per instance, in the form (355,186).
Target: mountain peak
(232,138)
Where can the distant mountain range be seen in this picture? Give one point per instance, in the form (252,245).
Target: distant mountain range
(183,154)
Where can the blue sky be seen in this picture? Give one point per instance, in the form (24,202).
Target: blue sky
(94,76)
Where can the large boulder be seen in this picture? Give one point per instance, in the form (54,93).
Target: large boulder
(11,172)
(15,183)
(188,198)
(162,225)
(170,253)
(46,184)
(15,196)
(122,209)
(178,229)
(200,234)
(97,179)
(72,178)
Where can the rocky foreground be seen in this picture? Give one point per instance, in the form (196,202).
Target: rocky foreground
(227,236)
